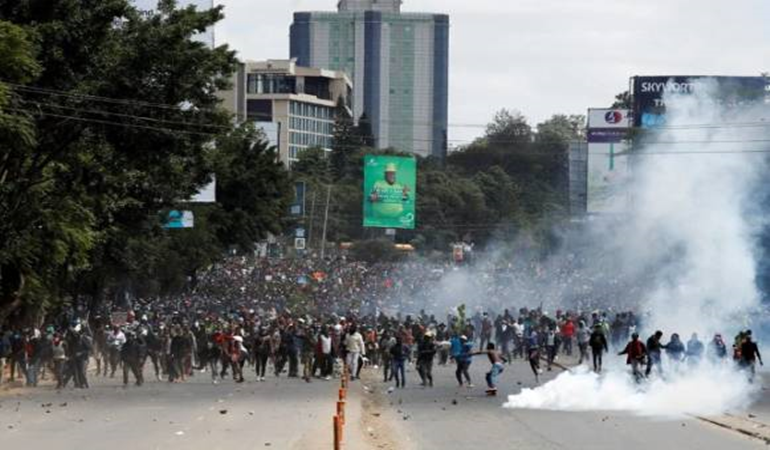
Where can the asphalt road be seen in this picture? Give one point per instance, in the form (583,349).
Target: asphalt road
(291,414)
(447,417)
(280,414)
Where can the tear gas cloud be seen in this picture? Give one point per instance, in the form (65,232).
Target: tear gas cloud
(691,235)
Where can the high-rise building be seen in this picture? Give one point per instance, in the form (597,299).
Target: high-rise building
(398,63)
(301,102)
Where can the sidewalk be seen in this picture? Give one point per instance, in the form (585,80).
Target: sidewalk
(755,420)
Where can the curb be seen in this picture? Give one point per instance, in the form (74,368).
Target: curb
(741,426)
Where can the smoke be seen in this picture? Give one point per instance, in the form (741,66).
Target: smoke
(689,238)
(691,214)
(705,391)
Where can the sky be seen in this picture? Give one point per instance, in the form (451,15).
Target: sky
(544,57)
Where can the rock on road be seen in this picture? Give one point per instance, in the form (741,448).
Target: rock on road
(290,414)
(448,417)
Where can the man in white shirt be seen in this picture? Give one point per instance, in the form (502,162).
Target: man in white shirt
(326,354)
(354,344)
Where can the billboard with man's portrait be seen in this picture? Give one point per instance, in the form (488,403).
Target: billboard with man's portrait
(390,191)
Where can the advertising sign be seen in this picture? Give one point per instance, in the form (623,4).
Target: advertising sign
(297,207)
(179,219)
(390,191)
(649,93)
(607,160)
(608,125)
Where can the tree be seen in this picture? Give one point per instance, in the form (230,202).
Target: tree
(345,140)
(508,128)
(562,129)
(99,161)
(623,101)
(364,132)
(253,189)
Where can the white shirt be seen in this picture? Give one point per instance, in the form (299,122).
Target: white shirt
(326,345)
(354,343)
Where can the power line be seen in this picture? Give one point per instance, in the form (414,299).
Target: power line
(129,102)
(528,153)
(129,116)
(107,122)
(177,108)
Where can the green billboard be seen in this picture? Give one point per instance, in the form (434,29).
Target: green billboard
(389,191)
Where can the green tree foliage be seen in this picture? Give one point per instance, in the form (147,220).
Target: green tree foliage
(623,100)
(253,189)
(508,128)
(107,119)
(562,129)
(364,131)
(345,141)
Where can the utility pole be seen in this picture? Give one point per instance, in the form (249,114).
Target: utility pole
(326,219)
(312,220)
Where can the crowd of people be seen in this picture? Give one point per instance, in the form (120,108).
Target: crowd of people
(305,318)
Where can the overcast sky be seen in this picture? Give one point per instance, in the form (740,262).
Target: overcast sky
(548,56)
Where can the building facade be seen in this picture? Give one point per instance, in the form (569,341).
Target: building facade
(300,101)
(398,62)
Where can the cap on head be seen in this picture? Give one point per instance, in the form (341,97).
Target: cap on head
(390,167)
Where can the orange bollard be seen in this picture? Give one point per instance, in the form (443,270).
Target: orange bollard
(337,434)
(343,394)
(341,412)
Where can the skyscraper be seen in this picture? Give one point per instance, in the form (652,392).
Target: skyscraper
(399,64)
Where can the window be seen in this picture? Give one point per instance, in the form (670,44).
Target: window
(257,83)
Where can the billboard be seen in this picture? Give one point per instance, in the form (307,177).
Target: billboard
(649,106)
(389,191)
(608,168)
(297,207)
(179,219)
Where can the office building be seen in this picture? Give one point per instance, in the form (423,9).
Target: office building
(301,101)
(398,63)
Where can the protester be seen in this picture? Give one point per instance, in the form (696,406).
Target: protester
(636,353)
(598,344)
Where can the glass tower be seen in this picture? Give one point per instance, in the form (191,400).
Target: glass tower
(398,63)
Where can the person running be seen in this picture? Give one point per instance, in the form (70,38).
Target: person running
(426,352)
(399,354)
(675,349)
(749,356)
(533,355)
(133,354)
(636,353)
(550,346)
(463,360)
(497,360)
(694,351)
(583,336)
(598,344)
(386,344)
(717,350)
(654,347)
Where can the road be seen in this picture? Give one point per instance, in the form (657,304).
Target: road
(447,417)
(290,414)
(282,414)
